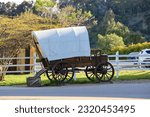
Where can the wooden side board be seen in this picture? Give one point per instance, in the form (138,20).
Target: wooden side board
(82,61)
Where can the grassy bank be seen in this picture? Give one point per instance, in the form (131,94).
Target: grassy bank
(11,80)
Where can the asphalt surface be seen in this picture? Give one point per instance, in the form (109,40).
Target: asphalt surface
(115,90)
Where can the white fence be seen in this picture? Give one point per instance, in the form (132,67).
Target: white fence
(36,66)
(129,62)
(120,62)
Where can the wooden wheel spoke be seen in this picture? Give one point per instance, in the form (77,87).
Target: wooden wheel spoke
(90,73)
(61,77)
(63,72)
(107,76)
(100,75)
(49,75)
(104,77)
(69,75)
(109,73)
(105,71)
(109,68)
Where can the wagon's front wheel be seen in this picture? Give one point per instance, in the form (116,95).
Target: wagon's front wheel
(49,75)
(70,73)
(104,72)
(62,72)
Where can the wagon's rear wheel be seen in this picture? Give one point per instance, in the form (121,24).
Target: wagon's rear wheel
(90,73)
(62,72)
(104,72)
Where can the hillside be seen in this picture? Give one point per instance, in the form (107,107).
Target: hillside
(134,14)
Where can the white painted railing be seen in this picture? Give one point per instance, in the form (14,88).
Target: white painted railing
(120,62)
(36,66)
(123,62)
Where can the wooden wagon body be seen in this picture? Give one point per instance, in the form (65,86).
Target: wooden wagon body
(62,67)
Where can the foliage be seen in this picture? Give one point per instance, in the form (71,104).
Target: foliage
(44,7)
(132,13)
(12,9)
(108,42)
(131,48)
(19,28)
(134,38)
(110,26)
(97,7)
(69,16)
(108,23)
(16,34)
(113,16)
(111,32)
(39,4)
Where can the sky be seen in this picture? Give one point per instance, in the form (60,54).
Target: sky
(16,1)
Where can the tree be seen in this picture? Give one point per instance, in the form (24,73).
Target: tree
(10,43)
(107,42)
(40,4)
(69,16)
(108,23)
(134,38)
(12,9)
(131,13)
(8,8)
(97,7)
(24,6)
(44,7)
(16,34)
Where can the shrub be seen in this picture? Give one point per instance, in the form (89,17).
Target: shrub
(131,48)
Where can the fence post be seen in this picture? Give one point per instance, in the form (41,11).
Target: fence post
(117,64)
(34,63)
(139,62)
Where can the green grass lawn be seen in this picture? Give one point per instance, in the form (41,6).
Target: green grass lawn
(11,80)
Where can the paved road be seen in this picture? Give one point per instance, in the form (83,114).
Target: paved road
(116,90)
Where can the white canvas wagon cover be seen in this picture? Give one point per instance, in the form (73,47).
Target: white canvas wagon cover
(63,43)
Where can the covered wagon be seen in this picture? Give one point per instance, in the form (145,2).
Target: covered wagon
(63,51)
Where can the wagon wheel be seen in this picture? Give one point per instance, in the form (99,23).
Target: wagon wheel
(49,75)
(90,73)
(70,73)
(62,72)
(104,72)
